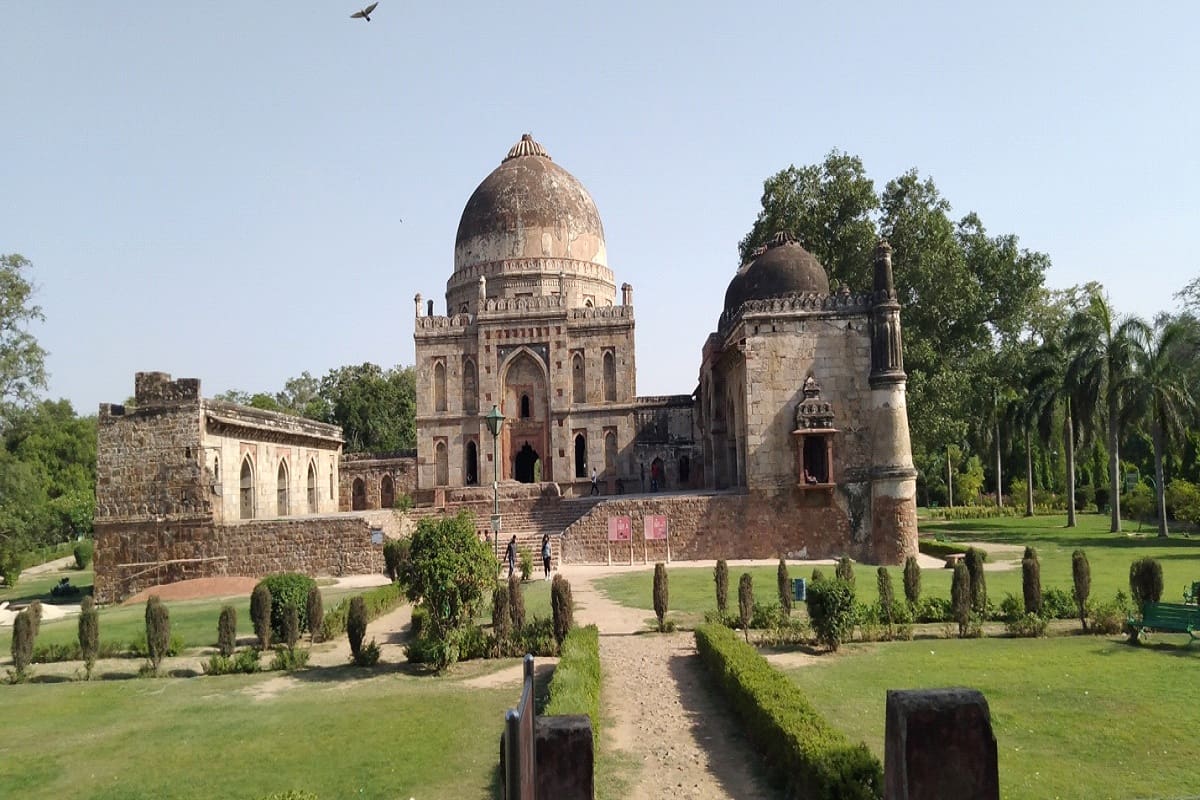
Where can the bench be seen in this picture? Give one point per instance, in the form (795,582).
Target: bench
(1169,617)
(953,559)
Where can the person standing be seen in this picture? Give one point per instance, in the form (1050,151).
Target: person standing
(510,555)
(595,485)
(546,555)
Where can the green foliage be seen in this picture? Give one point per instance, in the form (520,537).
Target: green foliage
(516,602)
(403,502)
(765,615)
(814,759)
(243,661)
(395,558)
(1183,501)
(746,602)
(22,360)
(377,602)
(974,562)
(260,614)
(845,570)
(784,584)
(356,624)
(158,632)
(661,594)
(1138,503)
(314,613)
(375,408)
(1058,604)
(450,569)
(887,596)
(22,645)
(89,634)
(575,687)
(960,597)
(721,579)
(1145,582)
(562,606)
(83,554)
(968,484)
(1027,625)
(288,590)
(1081,575)
(10,562)
(227,631)
(1031,582)
(912,581)
(501,621)
(525,564)
(291,627)
(817,575)
(289,659)
(942,549)
(1109,618)
(831,609)
(35,614)
(367,656)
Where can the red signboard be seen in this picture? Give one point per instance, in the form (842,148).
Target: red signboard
(655,526)
(620,529)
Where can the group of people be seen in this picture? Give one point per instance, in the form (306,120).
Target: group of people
(510,556)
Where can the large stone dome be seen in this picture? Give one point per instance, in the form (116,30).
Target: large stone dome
(783,267)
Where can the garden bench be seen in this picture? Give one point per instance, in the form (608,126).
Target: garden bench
(953,559)
(1170,617)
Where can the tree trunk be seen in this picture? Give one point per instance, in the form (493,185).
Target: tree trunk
(999,481)
(1070,428)
(1028,477)
(1114,469)
(949,479)
(1160,492)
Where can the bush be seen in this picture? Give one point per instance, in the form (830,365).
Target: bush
(89,634)
(158,632)
(537,637)
(934,609)
(314,614)
(1101,499)
(260,614)
(356,625)
(1031,582)
(1145,582)
(721,578)
(960,598)
(1081,574)
(227,631)
(22,645)
(501,622)
(378,601)
(784,583)
(765,616)
(912,581)
(244,661)
(83,554)
(887,596)
(1058,604)
(661,594)
(1028,625)
(1011,608)
(563,608)
(814,759)
(974,561)
(10,565)
(396,558)
(367,655)
(746,602)
(140,648)
(288,659)
(845,570)
(516,602)
(831,609)
(943,549)
(575,687)
(288,590)
(817,575)
(450,568)
(473,642)
(525,562)
(291,627)
(1109,618)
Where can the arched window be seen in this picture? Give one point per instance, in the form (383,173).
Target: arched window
(578,388)
(246,490)
(443,464)
(470,389)
(439,386)
(610,454)
(387,492)
(524,406)
(281,490)
(471,454)
(358,495)
(312,488)
(580,455)
(331,484)
(610,376)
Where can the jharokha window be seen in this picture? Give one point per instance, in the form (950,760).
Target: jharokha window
(814,434)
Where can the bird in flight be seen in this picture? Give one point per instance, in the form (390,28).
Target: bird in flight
(365,13)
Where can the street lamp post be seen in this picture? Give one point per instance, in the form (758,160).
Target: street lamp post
(495,422)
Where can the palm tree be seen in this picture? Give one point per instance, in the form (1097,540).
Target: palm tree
(1101,353)
(1049,391)
(1157,388)
(1020,415)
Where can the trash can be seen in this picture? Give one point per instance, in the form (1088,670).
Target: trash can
(799,589)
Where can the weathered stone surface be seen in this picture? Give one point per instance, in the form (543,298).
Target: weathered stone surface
(565,758)
(939,744)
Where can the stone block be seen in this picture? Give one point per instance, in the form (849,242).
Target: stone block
(939,744)
(565,759)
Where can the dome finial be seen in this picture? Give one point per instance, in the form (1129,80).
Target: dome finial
(526,147)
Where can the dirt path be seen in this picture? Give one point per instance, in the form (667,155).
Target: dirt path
(664,716)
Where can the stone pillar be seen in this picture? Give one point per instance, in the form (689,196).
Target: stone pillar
(482,292)
(565,761)
(417,304)
(626,294)
(939,744)
(429,305)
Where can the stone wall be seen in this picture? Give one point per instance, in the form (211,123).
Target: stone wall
(132,556)
(371,468)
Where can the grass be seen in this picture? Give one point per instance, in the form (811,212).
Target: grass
(1074,717)
(693,593)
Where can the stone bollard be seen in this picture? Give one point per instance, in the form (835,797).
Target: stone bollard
(939,744)
(565,761)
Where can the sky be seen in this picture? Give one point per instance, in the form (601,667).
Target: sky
(242,192)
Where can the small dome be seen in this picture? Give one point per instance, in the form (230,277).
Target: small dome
(783,267)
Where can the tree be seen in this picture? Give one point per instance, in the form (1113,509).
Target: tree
(1159,393)
(260,614)
(721,578)
(912,581)
(746,602)
(784,585)
(450,569)
(158,632)
(661,595)
(89,634)
(1101,350)
(376,409)
(960,598)
(1052,395)
(22,360)
(227,631)
(1081,576)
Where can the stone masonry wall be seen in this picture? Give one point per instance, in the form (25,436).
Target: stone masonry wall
(134,556)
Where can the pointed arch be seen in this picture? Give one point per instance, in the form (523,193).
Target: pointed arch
(442,457)
(581,455)
(610,376)
(439,386)
(246,489)
(387,492)
(578,382)
(470,387)
(282,498)
(610,454)
(358,495)
(312,487)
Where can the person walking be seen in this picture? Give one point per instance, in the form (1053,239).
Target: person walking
(595,486)
(510,555)
(546,556)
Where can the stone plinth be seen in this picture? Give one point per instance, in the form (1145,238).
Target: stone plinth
(939,744)
(565,761)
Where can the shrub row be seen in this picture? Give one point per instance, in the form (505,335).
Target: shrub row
(943,549)
(816,761)
(984,512)
(378,601)
(575,687)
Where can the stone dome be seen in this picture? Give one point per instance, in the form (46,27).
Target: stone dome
(783,267)
(529,208)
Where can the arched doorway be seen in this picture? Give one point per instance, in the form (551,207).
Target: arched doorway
(471,463)
(358,495)
(580,456)
(685,470)
(282,501)
(525,467)
(387,492)
(246,490)
(442,458)
(658,475)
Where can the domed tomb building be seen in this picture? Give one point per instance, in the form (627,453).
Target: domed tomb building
(531,325)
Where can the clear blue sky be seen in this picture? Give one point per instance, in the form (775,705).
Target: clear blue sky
(216,189)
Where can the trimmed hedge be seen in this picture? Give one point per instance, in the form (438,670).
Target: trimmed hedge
(816,761)
(943,549)
(575,687)
(378,601)
(288,590)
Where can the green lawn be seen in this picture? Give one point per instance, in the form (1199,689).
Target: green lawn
(692,590)
(1074,717)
